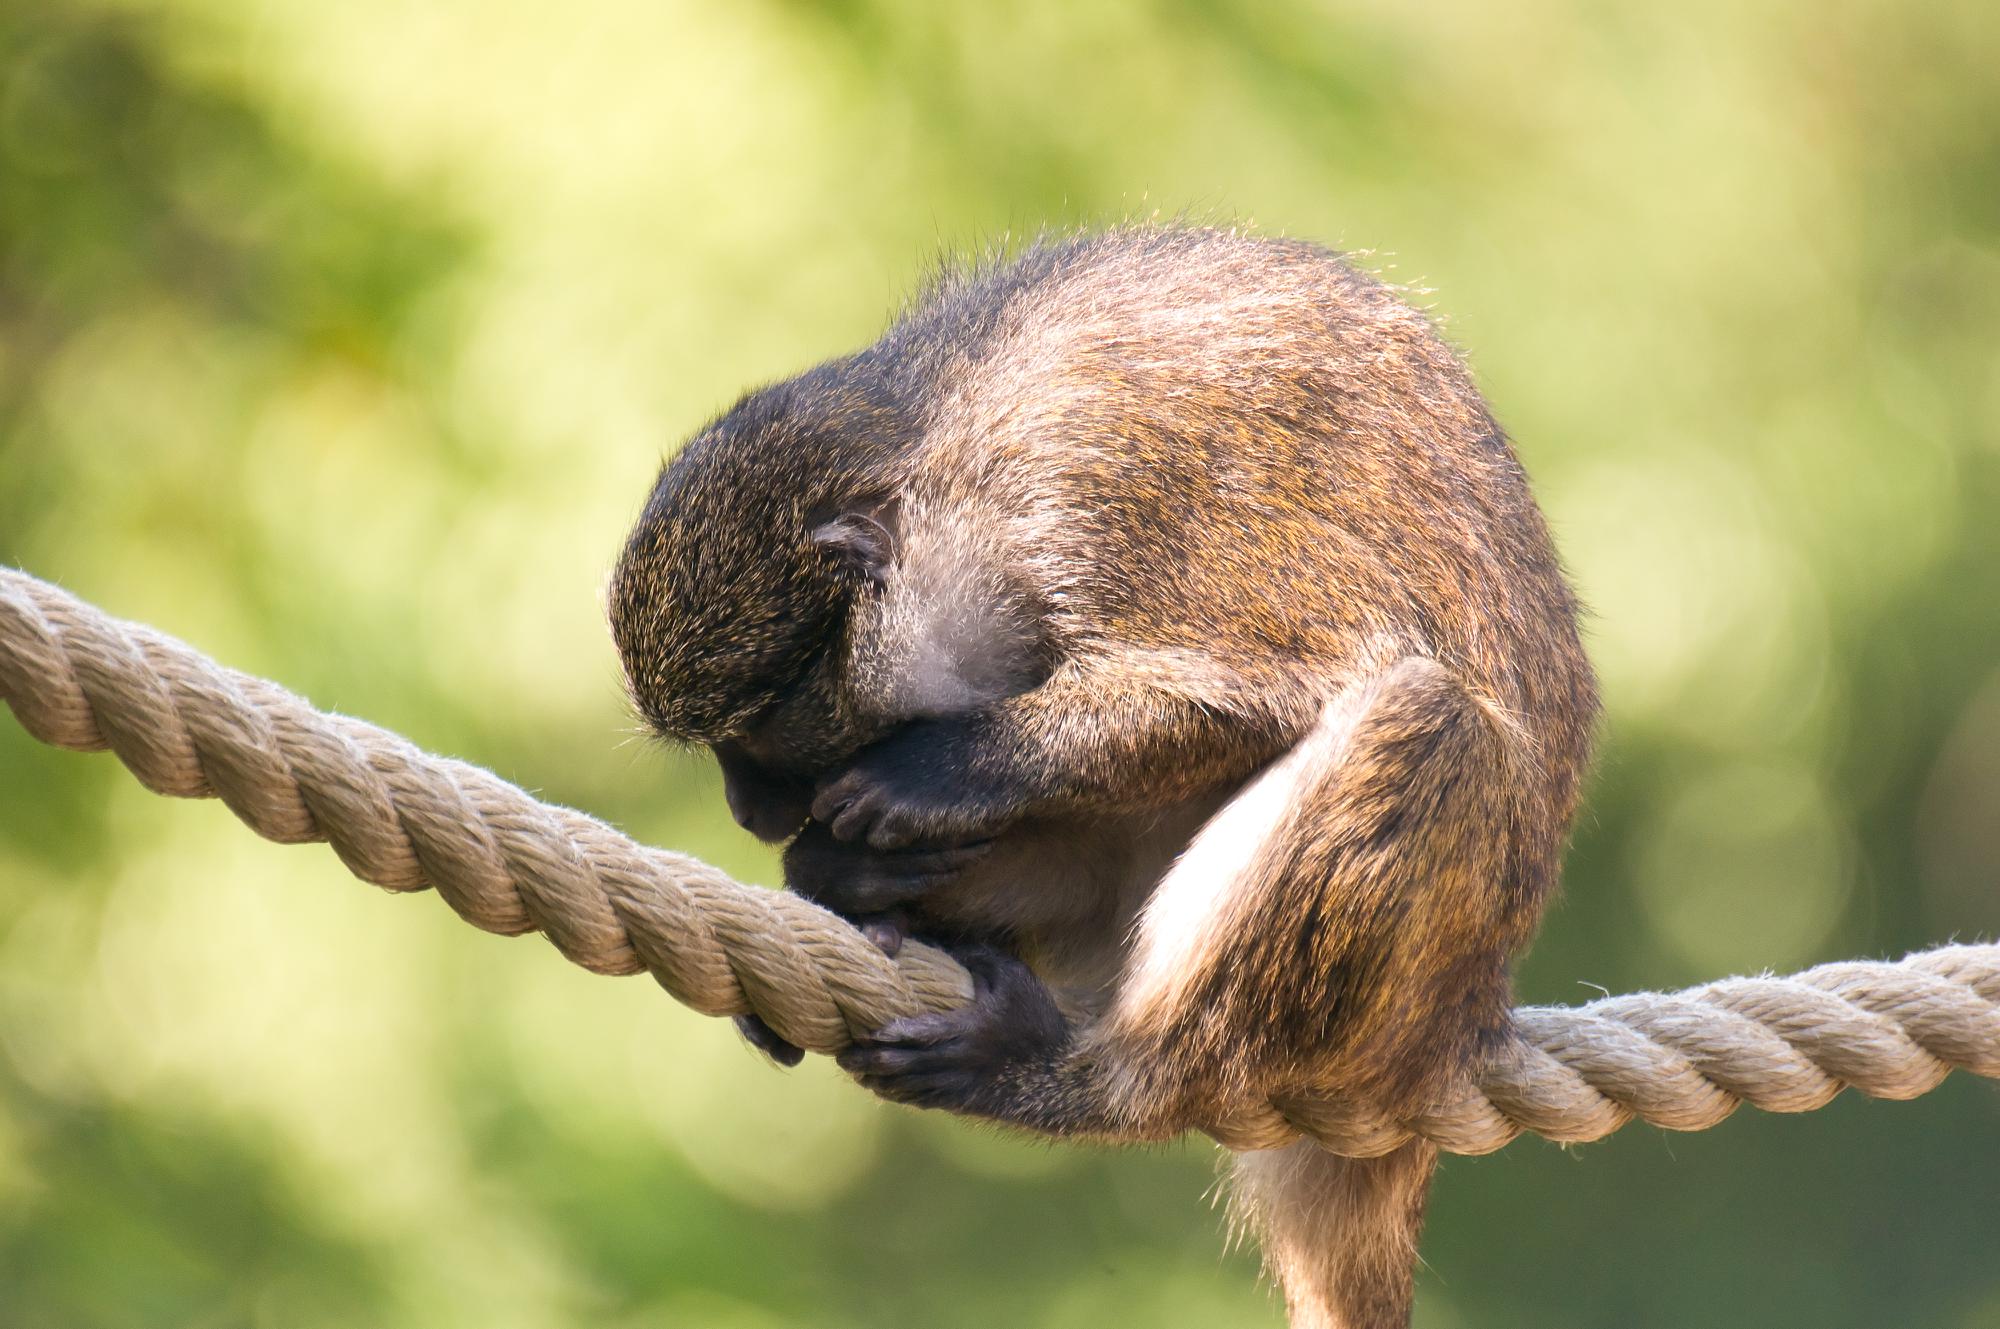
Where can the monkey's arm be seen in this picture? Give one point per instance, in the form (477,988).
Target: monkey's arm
(1109,730)
(1345,921)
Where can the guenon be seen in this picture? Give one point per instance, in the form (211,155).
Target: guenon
(1159,617)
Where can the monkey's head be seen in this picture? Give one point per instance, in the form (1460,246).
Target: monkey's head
(729,603)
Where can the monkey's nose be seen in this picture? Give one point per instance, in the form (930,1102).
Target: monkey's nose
(768,805)
(772,820)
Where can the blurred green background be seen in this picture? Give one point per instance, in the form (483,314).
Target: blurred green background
(344,340)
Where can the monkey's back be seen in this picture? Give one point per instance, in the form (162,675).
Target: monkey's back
(1203,442)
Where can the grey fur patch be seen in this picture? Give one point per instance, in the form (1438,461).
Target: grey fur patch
(947,633)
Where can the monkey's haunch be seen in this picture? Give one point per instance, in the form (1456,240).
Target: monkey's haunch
(188,727)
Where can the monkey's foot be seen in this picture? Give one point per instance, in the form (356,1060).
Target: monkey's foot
(854,880)
(975,1059)
(920,785)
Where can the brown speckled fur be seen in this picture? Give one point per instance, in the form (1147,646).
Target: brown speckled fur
(1045,577)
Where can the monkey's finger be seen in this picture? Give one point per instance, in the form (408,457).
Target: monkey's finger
(943,1089)
(885,1059)
(842,805)
(938,860)
(765,1039)
(866,892)
(920,821)
(947,1075)
(887,931)
(992,969)
(920,1031)
(855,817)
(865,883)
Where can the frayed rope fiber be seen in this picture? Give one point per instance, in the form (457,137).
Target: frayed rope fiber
(405,820)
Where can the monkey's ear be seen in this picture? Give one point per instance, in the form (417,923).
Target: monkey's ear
(859,541)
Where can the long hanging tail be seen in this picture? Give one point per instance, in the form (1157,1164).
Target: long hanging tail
(1339,1234)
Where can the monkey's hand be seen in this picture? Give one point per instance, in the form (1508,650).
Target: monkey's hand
(931,782)
(860,883)
(867,887)
(887,931)
(973,1059)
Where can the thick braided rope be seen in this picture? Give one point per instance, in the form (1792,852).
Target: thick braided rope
(185,726)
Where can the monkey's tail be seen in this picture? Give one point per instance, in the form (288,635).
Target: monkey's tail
(1339,1234)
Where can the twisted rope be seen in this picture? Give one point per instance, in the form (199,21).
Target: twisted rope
(405,820)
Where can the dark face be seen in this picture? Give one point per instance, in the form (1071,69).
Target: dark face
(717,606)
(729,602)
(770,769)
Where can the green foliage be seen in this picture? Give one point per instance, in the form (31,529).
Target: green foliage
(343,340)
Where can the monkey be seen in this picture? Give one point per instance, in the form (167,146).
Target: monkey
(1158,617)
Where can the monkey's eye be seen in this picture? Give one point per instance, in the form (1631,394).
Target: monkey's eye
(858,543)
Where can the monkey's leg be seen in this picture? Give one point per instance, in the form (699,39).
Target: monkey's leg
(1342,924)
(1345,918)
(1121,730)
